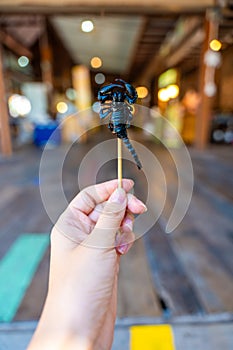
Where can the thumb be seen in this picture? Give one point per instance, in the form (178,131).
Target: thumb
(103,235)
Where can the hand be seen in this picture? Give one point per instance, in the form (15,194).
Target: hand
(86,244)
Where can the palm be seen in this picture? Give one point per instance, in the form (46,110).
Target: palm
(77,231)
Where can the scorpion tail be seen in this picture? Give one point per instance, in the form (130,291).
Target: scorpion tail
(132,151)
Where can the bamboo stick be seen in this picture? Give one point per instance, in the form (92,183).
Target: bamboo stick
(119,162)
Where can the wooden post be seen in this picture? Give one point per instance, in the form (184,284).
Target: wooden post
(5,137)
(203,122)
(46,63)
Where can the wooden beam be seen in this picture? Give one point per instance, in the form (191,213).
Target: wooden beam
(204,116)
(104,6)
(175,51)
(46,58)
(5,137)
(12,44)
(53,3)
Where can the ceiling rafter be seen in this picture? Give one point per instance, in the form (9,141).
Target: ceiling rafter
(155,30)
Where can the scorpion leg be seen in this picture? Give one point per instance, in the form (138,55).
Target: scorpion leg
(104,112)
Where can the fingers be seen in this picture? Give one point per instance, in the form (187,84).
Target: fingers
(127,223)
(125,236)
(109,221)
(124,242)
(91,196)
(135,206)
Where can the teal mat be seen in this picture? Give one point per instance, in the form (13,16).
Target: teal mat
(17,269)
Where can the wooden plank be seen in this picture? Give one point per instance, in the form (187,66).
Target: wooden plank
(136,294)
(13,219)
(14,45)
(170,278)
(206,250)
(8,194)
(214,230)
(207,275)
(34,298)
(210,233)
(214,177)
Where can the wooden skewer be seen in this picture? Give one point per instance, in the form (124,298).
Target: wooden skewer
(119,162)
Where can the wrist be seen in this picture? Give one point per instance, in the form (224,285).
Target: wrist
(67,341)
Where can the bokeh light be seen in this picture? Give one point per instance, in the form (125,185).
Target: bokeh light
(96,62)
(173,90)
(62,107)
(215,45)
(142,91)
(99,78)
(71,94)
(163,95)
(170,92)
(96,107)
(19,105)
(23,61)
(87,26)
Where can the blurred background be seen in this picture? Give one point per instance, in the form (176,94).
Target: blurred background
(54,58)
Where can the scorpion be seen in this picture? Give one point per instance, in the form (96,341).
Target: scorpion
(121,96)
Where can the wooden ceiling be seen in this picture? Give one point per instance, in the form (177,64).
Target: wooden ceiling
(154,31)
(158,44)
(104,6)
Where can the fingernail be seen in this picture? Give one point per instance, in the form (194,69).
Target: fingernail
(118,196)
(144,207)
(142,204)
(129,224)
(123,249)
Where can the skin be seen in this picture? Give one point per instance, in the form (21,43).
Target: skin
(86,245)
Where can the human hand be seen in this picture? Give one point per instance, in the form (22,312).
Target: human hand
(80,309)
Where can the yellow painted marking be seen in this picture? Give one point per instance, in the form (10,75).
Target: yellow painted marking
(159,337)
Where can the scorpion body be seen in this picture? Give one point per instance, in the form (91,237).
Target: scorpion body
(121,96)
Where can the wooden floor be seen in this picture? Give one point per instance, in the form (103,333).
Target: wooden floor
(189,272)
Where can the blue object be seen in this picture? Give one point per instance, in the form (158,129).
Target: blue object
(50,133)
(17,269)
